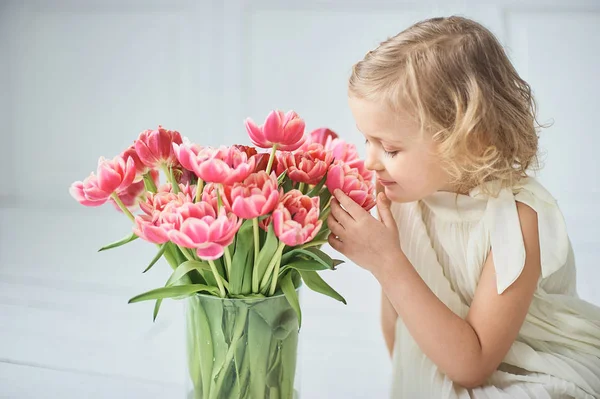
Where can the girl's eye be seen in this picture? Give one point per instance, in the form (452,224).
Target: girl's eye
(390,154)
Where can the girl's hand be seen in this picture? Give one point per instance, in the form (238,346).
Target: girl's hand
(364,240)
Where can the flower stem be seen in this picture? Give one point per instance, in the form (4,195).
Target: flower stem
(186,252)
(213,267)
(256,251)
(324,214)
(121,205)
(275,274)
(276,259)
(228,262)
(171,177)
(301,187)
(219,200)
(271,158)
(199,187)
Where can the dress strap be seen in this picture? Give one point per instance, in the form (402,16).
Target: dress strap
(502,221)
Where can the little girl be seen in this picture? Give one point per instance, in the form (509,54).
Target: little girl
(473,257)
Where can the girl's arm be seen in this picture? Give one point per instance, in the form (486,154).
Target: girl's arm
(388,322)
(467,351)
(388,313)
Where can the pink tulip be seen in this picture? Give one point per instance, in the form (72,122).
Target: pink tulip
(140,168)
(150,229)
(359,164)
(135,193)
(296,218)
(256,196)
(87,192)
(187,153)
(323,136)
(113,175)
(159,217)
(202,229)
(226,165)
(342,151)
(284,130)
(209,195)
(352,183)
(155,147)
(250,151)
(348,154)
(307,166)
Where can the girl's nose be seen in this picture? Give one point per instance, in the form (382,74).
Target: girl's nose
(372,160)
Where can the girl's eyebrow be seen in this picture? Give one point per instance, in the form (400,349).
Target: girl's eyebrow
(379,138)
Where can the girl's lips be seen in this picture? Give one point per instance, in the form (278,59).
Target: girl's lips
(386,182)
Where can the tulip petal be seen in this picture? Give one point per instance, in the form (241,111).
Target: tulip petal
(210,251)
(197,230)
(181,239)
(76,190)
(272,129)
(256,134)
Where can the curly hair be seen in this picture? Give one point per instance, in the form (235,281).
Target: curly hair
(454,77)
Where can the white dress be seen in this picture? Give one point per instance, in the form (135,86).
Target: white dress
(447,238)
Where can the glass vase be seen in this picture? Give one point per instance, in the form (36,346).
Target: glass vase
(241,348)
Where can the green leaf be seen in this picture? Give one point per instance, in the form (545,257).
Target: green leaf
(287,185)
(214,311)
(247,296)
(322,256)
(281,177)
(323,199)
(149,184)
(159,255)
(296,279)
(289,354)
(242,257)
(315,190)
(304,265)
(317,284)
(259,343)
(247,283)
(287,286)
(313,253)
(156,309)
(267,252)
(184,269)
(123,241)
(173,291)
(200,345)
(337,262)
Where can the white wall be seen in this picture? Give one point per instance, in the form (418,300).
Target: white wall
(81,79)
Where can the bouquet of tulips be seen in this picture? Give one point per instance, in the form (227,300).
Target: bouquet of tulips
(233,222)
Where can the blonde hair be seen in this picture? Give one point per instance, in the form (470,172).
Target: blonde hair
(453,75)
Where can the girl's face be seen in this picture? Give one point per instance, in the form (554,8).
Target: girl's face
(406,164)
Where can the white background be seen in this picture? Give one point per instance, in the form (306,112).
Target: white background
(80,79)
